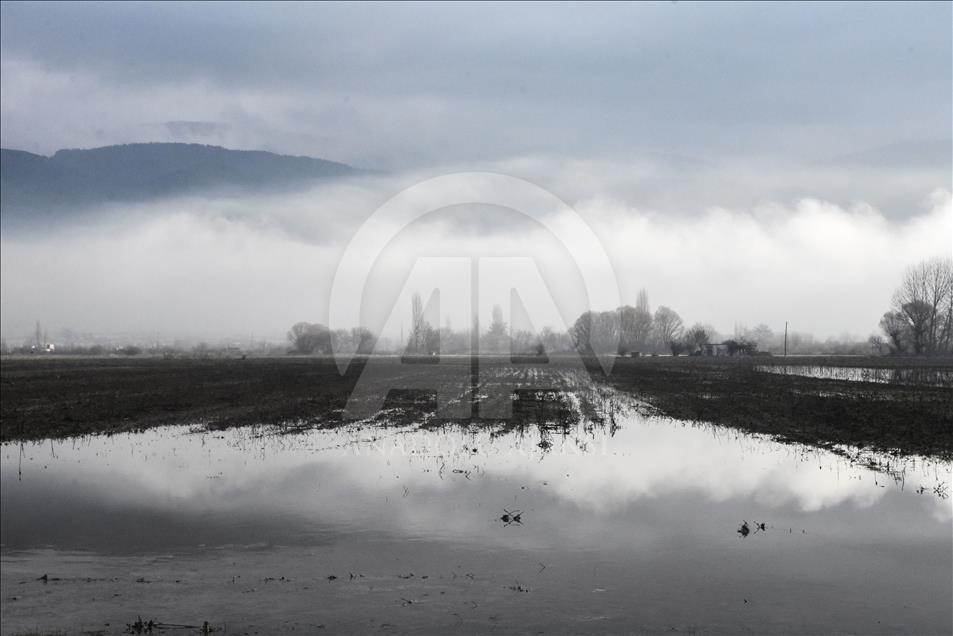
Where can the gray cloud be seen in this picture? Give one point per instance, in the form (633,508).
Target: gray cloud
(196,130)
(399,85)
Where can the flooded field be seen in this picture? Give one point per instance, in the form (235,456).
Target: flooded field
(583,515)
(913,376)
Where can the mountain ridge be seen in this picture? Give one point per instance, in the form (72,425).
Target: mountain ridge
(34,185)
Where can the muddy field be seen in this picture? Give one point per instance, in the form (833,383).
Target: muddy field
(64,397)
(240,496)
(903,417)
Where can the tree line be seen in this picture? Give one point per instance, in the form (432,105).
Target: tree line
(308,338)
(919,322)
(637,330)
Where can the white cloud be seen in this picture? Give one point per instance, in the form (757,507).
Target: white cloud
(224,266)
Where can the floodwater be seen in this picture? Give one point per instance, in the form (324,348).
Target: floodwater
(923,376)
(638,525)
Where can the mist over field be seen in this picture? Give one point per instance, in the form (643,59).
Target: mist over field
(253,265)
(771,165)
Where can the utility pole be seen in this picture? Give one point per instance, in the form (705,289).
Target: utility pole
(474,335)
(785,338)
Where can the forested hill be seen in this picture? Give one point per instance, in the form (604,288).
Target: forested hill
(35,185)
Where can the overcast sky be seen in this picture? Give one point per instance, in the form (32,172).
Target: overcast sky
(395,85)
(643,113)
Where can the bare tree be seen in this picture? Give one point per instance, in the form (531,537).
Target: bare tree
(762,334)
(698,335)
(921,316)
(417,323)
(496,339)
(597,332)
(635,324)
(606,335)
(894,325)
(307,337)
(668,329)
(642,302)
(362,340)
(741,346)
(581,332)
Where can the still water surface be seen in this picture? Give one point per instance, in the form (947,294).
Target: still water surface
(911,376)
(633,526)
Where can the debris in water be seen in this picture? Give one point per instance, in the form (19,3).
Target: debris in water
(745,529)
(146,627)
(509,518)
(140,627)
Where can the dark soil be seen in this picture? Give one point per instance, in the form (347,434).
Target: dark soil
(63,397)
(729,391)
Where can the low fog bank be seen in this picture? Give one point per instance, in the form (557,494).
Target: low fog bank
(892,178)
(42,196)
(245,268)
